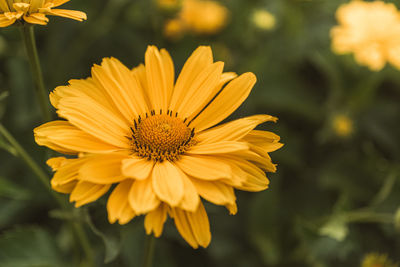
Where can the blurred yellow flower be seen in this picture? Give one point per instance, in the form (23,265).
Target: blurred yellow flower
(174,29)
(377,260)
(154,138)
(203,17)
(370,30)
(263,19)
(34,11)
(342,125)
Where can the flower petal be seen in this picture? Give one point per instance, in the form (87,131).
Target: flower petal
(194,227)
(142,197)
(191,199)
(86,192)
(167,182)
(200,90)
(158,75)
(196,63)
(234,130)
(119,84)
(118,207)
(218,148)
(102,169)
(202,167)
(215,192)
(137,168)
(71,140)
(226,102)
(84,113)
(70,14)
(154,220)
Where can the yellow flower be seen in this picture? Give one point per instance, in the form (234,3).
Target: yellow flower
(203,17)
(263,19)
(155,139)
(370,30)
(342,125)
(377,260)
(174,29)
(34,11)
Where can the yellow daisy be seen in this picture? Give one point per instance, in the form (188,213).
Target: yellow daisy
(154,138)
(34,11)
(203,16)
(370,30)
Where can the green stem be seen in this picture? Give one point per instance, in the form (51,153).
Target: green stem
(84,242)
(28,35)
(149,251)
(44,179)
(40,174)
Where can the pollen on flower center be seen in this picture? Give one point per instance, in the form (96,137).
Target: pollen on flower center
(161,137)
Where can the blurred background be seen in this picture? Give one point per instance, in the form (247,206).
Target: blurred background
(336,195)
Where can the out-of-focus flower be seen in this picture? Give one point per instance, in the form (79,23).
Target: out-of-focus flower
(370,30)
(174,29)
(203,17)
(34,11)
(154,138)
(377,260)
(263,19)
(168,4)
(342,125)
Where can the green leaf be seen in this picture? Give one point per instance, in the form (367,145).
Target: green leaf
(29,247)
(12,191)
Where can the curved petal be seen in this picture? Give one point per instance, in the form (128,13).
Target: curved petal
(67,170)
(167,183)
(196,63)
(70,14)
(85,192)
(84,113)
(202,167)
(200,90)
(118,207)
(218,148)
(4,6)
(137,168)
(62,134)
(159,79)
(230,98)
(215,192)
(191,199)
(154,220)
(5,21)
(194,227)
(36,18)
(119,84)
(102,169)
(234,130)
(142,197)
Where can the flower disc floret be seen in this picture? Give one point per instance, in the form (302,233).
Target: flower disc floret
(161,137)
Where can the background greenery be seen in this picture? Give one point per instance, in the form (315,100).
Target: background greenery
(333,199)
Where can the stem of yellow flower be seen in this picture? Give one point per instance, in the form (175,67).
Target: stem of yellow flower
(149,250)
(28,36)
(44,179)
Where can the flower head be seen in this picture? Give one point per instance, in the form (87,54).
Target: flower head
(34,11)
(342,125)
(370,30)
(203,16)
(263,19)
(156,139)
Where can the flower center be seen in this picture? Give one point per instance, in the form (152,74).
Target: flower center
(161,137)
